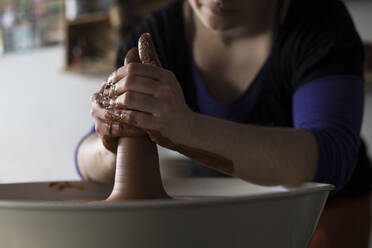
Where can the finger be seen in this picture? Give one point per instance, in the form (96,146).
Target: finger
(96,95)
(125,130)
(102,87)
(101,100)
(146,70)
(131,57)
(115,77)
(137,101)
(110,143)
(135,118)
(147,51)
(103,128)
(101,114)
(137,84)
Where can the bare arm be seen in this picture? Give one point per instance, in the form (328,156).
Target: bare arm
(262,155)
(95,162)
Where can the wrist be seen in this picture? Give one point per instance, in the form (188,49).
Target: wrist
(190,133)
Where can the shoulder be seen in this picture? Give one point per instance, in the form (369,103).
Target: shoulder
(311,24)
(161,24)
(307,14)
(318,39)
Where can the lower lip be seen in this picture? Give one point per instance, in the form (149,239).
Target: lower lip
(218,11)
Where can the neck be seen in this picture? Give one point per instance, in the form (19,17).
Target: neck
(259,26)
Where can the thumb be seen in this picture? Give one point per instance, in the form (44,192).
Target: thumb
(147,52)
(132,56)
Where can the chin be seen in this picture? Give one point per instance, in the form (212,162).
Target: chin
(217,25)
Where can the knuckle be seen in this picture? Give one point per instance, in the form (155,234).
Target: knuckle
(114,76)
(122,69)
(111,77)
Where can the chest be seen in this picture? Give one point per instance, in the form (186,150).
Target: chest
(258,92)
(227,75)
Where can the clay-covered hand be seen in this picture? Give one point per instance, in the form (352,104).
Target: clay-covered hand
(150,97)
(109,130)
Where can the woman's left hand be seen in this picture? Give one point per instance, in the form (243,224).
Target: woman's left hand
(151,98)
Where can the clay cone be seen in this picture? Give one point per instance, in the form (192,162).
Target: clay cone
(137,173)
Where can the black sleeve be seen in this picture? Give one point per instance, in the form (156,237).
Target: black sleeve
(327,44)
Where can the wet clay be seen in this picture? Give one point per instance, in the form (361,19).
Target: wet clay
(59,186)
(137,174)
(146,50)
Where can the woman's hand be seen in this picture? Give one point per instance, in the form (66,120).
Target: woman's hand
(108,130)
(150,98)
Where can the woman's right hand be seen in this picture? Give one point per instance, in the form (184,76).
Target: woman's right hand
(107,129)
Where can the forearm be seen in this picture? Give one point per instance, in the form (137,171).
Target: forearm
(95,162)
(262,155)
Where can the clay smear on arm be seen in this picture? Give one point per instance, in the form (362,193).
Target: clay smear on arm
(209,159)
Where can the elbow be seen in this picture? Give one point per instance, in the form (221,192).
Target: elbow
(337,158)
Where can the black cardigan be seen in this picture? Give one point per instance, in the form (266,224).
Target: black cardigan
(316,39)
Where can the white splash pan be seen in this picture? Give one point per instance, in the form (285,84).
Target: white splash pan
(209,212)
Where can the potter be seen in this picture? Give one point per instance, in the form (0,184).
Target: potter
(267,91)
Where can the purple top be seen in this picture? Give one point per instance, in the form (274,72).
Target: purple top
(331,108)
(237,110)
